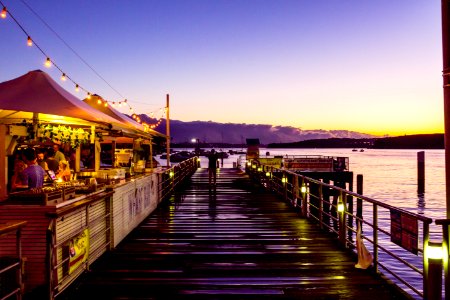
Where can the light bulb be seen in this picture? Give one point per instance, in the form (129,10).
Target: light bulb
(63,77)
(105,104)
(29,42)
(77,88)
(99,101)
(48,62)
(88,96)
(3,13)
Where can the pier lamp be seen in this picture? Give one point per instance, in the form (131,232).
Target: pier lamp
(249,163)
(259,169)
(340,207)
(171,174)
(284,180)
(267,174)
(303,189)
(253,166)
(433,266)
(434,251)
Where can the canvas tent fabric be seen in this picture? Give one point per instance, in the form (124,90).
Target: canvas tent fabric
(37,92)
(112,112)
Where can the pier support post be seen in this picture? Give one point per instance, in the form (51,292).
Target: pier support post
(420,172)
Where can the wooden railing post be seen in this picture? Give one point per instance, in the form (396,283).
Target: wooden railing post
(296,193)
(375,237)
(341,208)
(304,199)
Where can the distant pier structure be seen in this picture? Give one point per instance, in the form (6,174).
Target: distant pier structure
(328,169)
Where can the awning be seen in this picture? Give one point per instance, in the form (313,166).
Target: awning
(37,92)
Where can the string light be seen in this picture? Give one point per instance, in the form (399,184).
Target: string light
(48,62)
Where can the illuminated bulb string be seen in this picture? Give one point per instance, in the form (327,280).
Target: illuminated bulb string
(48,63)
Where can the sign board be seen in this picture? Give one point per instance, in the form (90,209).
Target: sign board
(404,231)
(272,161)
(78,250)
(314,164)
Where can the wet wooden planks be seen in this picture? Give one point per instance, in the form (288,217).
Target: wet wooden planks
(234,241)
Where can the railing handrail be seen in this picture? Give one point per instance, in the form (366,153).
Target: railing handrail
(297,189)
(365,198)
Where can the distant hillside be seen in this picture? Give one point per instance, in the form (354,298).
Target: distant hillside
(233,133)
(418,141)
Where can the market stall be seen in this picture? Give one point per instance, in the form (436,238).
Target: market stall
(70,224)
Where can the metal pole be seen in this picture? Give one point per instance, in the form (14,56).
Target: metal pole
(167,130)
(446,80)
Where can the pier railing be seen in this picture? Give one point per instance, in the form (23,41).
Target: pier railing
(96,224)
(398,240)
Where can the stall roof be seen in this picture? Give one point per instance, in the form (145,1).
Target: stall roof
(112,112)
(37,92)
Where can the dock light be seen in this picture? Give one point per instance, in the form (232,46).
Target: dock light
(259,169)
(267,174)
(171,174)
(63,77)
(3,13)
(193,140)
(29,41)
(254,166)
(303,189)
(340,207)
(99,101)
(435,251)
(48,62)
(249,163)
(284,180)
(105,104)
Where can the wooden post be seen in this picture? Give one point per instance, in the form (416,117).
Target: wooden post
(167,131)
(445,10)
(359,191)
(3,162)
(421,172)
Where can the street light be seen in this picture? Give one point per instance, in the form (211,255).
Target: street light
(197,146)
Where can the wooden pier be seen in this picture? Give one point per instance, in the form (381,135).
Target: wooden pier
(235,241)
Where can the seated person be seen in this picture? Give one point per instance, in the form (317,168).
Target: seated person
(64,171)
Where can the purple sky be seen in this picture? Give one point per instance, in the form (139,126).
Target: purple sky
(367,66)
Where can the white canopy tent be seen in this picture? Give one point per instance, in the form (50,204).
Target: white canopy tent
(36,92)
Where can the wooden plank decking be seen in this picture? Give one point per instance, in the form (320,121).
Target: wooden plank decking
(234,242)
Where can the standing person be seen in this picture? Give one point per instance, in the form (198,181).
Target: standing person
(51,161)
(33,175)
(19,166)
(212,166)
(59,156)
(41,160)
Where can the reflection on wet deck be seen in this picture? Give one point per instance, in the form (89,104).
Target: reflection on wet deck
(234,241)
